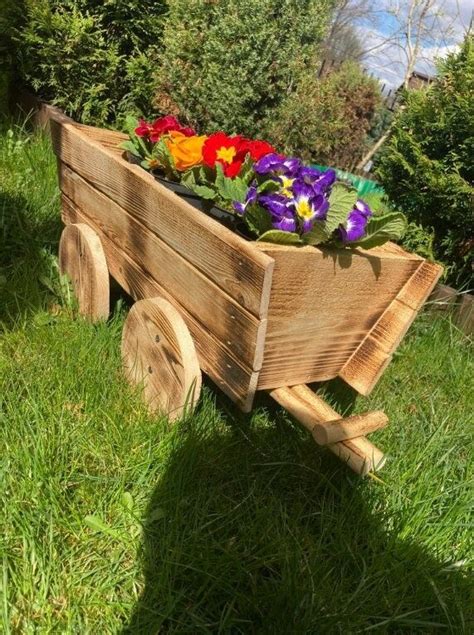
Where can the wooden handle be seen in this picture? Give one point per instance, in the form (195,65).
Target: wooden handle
(310,410)
(326,432)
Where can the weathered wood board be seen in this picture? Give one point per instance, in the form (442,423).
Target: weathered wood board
(262,316)
(324,304)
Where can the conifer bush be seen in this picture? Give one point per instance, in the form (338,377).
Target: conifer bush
(427,167)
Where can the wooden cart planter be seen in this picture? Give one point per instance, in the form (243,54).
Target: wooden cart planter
(253,316)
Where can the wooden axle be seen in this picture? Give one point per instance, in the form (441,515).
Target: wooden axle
(311,411)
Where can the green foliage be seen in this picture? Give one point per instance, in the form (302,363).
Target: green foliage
(326,120)
(419,240)
(230,65)
(93,59)
(280,237)
(382,228)
(427,167)
(341,201)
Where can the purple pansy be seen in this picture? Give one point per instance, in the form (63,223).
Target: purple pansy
(320,181)
(355,226)
(286,222)
(275,203)
(362,207)
(250,199)
(308,205)
(277,164)
(309,175)
(281,210)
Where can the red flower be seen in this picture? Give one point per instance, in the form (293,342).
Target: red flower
(143,129)
(256,148)
(161,126)
(219,148)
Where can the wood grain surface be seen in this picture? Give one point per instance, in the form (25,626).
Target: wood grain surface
(158,353)
(322,306)
(237,328)
(82,258)
(234,264)
(229,373)
(309,409)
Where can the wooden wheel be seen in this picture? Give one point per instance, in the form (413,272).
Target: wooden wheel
(158,351)
(82,258)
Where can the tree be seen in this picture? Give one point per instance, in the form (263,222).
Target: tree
(229,65)
(427,167)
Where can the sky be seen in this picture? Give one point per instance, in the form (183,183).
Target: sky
(387,60)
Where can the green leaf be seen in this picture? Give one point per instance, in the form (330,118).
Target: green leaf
(129,146)
(161,152)
(97,524)
(130,124)
(380,229)
(280,237)
(317,235)
(257,219)
(246,171)
(230,189)
(204,192)
(188,179)
(341,201)
(268,186)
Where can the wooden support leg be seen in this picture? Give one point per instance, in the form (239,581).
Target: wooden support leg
(310,410)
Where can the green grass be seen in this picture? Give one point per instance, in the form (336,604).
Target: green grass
(114,522)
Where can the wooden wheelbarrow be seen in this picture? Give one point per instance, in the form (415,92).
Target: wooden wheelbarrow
(253,316)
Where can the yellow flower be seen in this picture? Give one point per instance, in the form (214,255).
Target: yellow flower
(186,151)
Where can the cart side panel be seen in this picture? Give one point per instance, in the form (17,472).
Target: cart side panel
(157,244)
(241,331)
(233,264)
(237,380)
(323,305)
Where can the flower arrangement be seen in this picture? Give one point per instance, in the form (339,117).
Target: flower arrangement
(279,198)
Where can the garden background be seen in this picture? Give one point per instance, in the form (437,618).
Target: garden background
(225,523)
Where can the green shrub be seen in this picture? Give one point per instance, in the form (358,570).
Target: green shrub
(230,64)
(327,119)
(95,60)
(10,16)
(427,167)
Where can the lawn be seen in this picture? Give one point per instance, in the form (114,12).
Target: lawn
(115,522)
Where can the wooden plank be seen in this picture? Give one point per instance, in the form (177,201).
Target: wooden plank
(237,328)
(367,363)
(309,409)
(322,305)
(234,264)
(228,373)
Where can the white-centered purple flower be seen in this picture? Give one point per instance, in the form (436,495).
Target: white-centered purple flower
(277,164)
(319,180)
(355,227)
(250,199)
(308,205)
(281,210)
(362,207)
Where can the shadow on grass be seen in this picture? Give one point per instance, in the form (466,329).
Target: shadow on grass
(28,274)
(252,529)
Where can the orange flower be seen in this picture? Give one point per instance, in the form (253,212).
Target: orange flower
(186,151)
